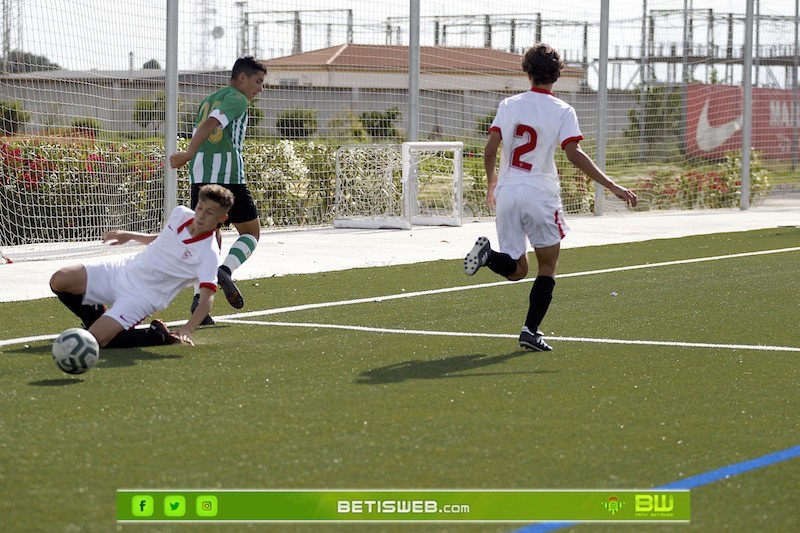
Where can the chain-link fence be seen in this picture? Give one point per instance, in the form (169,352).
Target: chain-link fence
(85,92)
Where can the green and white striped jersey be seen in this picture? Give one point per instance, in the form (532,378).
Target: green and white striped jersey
(219,159)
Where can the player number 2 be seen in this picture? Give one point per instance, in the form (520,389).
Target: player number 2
(516,155)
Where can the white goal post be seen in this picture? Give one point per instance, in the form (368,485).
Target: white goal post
(397,186)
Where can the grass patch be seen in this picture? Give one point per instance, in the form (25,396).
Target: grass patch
(255,406)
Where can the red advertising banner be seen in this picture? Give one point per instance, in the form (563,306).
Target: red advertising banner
(714,121)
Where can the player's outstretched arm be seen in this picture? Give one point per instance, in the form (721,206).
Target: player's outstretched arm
(202,133)
(581,160)
(116,237)
(203,308)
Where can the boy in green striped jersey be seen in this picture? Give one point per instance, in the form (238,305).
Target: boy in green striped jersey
(215,156)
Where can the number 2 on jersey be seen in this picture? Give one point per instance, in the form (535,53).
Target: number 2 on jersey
(516,155)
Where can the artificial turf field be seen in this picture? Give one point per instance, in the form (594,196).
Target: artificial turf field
(417,387)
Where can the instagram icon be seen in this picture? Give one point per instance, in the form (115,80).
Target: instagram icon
(206,505)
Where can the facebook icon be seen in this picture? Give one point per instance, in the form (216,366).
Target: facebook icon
(142,505)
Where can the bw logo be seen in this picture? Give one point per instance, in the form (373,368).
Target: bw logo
(659,503)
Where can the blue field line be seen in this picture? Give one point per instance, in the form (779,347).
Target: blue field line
(690,482)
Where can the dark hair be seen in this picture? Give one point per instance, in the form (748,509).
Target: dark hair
(248,65)
(217,194)
(542,63)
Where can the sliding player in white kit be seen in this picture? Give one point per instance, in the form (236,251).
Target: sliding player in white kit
(185,252)
(526,194)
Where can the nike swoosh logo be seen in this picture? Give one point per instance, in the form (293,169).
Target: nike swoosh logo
(710,137)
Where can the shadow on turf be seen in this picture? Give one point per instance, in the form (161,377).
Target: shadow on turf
(111,358)
(117,358)
(438,368)
(122,357)
(56,382)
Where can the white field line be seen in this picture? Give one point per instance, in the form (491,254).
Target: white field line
(508,336)
(679,262)
(375,299)
(26,340)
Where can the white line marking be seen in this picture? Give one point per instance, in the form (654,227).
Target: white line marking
(758,347)
(375,299)
(678,262)
(25,340)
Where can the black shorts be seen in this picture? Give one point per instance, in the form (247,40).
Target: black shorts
(243,209)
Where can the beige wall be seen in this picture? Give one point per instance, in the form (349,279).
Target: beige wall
(399,80)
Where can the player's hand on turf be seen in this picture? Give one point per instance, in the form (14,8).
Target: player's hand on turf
(184,336)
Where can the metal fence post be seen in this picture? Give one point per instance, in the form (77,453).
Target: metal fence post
(747,106)
(171,108)
(602,104)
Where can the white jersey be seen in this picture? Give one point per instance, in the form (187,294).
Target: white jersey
(147,282)
(531,125)
(175,260)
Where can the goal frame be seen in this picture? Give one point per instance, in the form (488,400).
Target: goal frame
(411,178)
(410,213)
(386,220)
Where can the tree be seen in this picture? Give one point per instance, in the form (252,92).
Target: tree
(18,62)
(661,120)
(297,123)
(254,115)
(148,111)
(347,126)
(485,122)
(12,117)
(152,65)
(381,125)
(88,126)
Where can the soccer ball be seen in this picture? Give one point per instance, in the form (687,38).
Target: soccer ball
(75,351)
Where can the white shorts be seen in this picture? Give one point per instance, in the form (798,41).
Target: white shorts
(526,214)
(107,284)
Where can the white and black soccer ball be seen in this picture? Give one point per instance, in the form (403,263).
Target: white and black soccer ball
(75,351)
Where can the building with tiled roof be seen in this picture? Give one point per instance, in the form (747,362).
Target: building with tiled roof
(386,67)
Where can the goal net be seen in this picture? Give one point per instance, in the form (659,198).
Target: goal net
(397,186)
(82,106)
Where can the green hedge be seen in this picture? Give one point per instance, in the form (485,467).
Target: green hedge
(75,191)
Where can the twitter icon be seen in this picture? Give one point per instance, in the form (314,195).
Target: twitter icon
(174,506)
